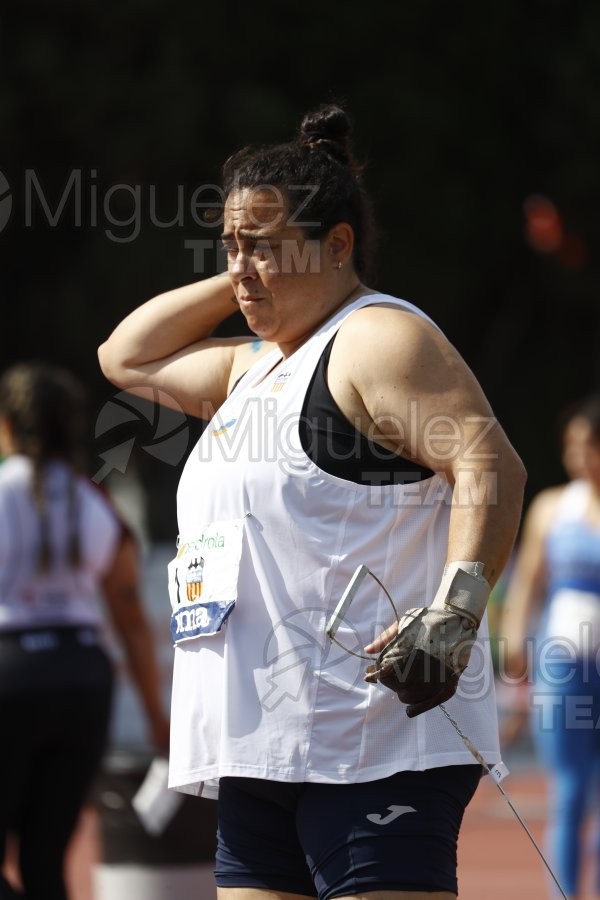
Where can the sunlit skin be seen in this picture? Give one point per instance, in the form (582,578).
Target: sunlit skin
(581,452)
(286,285)
(573,449)
(7,444)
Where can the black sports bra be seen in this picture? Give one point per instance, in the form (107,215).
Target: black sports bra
(332,442)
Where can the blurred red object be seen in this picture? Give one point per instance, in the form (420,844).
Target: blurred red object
(543,225)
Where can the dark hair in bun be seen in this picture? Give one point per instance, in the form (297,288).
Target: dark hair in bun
(319,175)
(328,128)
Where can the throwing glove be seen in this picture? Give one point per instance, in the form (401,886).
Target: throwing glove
(423,663)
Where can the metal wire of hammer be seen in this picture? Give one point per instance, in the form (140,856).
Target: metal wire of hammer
(475,752)
(332,627)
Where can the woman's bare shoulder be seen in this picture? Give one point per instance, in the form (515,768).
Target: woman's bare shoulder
(248,352)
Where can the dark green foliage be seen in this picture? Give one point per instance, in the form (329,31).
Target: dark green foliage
(462,111)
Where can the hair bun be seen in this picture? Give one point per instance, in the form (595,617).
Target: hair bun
(328,128)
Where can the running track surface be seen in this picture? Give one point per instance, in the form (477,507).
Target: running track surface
(496,859)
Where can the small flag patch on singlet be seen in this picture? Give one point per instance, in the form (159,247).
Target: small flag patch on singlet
(280,382)
(217,432)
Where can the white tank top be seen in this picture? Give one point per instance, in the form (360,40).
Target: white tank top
(269,696)
(63,595)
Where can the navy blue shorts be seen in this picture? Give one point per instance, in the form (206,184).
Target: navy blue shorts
(331,840)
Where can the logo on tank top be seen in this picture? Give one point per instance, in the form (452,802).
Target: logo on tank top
(217,432)
(280,382)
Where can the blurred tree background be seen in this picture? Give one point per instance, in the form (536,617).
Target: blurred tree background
(480,125)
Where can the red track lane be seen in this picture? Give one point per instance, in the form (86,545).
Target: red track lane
(496,858)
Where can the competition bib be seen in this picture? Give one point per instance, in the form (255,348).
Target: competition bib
(203,580)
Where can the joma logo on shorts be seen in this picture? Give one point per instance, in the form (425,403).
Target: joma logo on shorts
(395,811)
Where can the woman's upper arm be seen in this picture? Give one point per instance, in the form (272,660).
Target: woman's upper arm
(166,345)
(419,393)
(120,585)
(528,582)
(529,574)
(193,380)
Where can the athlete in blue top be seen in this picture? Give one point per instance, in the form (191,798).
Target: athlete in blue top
(557,578)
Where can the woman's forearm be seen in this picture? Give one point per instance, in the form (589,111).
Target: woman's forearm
(165,325)
(486,512)
(143,667)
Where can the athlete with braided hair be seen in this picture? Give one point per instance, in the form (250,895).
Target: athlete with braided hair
(61,547)
(351,433)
